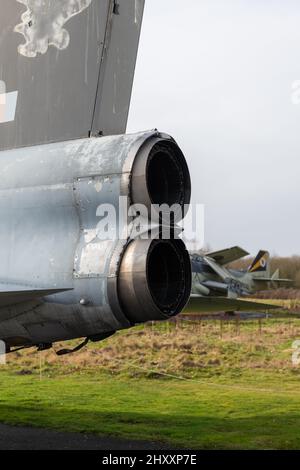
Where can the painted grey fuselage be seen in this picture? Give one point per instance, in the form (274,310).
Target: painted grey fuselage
(48,205)
(73,90)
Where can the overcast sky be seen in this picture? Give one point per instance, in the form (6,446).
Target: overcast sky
(217,75)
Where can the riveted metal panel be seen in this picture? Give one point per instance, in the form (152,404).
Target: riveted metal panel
(92,256)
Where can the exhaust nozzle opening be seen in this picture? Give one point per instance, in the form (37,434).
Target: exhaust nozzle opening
(160,176)
(154,279)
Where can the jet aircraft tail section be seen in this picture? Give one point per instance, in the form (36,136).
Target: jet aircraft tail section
(260,265)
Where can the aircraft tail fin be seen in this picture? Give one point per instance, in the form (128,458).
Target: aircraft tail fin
(275,275)
(260,265)
(72,62)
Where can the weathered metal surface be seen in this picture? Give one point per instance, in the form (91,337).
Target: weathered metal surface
(91,257)
(48,204)
(51,200)
(66,68)
(42,24)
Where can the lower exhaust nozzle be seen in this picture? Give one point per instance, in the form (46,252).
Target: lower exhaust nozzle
(154,279)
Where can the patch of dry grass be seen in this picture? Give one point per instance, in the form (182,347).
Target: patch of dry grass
(185,349)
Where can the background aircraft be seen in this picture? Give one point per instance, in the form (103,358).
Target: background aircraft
(213,283)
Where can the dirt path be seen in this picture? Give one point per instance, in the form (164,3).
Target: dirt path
(26,438)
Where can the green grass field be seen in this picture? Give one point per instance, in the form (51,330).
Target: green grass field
(201,385)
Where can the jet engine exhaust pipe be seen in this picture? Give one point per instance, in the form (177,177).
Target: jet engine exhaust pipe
(160,176)
(154,279)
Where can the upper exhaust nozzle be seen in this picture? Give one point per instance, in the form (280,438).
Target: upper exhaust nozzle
(160,176)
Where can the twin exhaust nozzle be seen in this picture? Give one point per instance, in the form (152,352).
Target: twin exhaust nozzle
(154,280)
